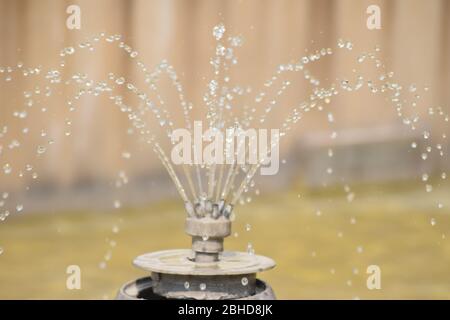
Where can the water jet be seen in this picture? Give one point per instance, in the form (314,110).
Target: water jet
(211,189)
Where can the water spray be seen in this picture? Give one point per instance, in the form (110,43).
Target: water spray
(206,270)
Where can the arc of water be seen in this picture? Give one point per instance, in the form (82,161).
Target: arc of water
(217,113)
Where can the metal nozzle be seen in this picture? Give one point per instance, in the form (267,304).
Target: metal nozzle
(207,237)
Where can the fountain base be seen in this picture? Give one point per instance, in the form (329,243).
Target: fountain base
(176,275)
(142,289)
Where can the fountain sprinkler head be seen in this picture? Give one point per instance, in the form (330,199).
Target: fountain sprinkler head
(205,271)
(208,233)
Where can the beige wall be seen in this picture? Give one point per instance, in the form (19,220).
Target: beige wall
(415,42)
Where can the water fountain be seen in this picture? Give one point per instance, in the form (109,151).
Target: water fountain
(207,271)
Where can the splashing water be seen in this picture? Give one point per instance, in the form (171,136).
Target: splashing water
(212,189)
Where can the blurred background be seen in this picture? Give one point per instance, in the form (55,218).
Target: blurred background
(102,196)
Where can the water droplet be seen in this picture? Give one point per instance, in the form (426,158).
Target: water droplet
(218,31)
(186,285)
(117,204)
(202,286)
(429,188)
(433,221)
(359,249)
(425,177)
(1,250)
(350,197)
(205,238)
(41,150)
(248,227)
(7,168)
(4,215)
(115,229)
(330,153)
(235,41)
(108,255)
(250,249)
(69,50)
(330,117)
(244,281)
(19,207)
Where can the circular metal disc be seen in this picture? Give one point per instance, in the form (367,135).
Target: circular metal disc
(180,262)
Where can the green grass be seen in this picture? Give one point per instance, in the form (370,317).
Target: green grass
(316,256)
